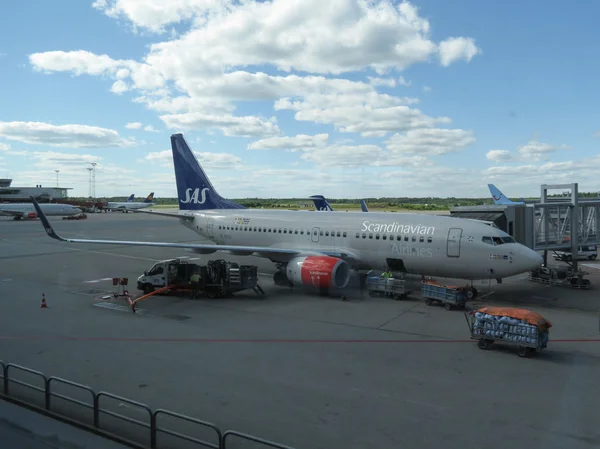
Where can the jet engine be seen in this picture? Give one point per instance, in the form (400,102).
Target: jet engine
(318,271)
(31,215)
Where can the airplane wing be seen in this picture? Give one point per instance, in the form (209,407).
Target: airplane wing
(182,214)
(263,251)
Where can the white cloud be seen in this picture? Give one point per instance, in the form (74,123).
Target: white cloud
(538,151)
(388,82)
(532,151)
(403,82)
(4,146)
(427,89)
(133,125)
(150,129)
(67,136)
(457,48)
(499,155)
(430,141)
(223,161)
(210,65)
(248,126)
(119,87)
(299,142)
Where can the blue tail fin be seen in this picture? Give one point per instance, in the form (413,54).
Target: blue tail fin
(194,190)
(131,198)
(321,203)
(149,198)
(499,197)
(363,206)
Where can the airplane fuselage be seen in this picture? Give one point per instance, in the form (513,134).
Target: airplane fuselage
(49,209)
(127,206)
(425,244)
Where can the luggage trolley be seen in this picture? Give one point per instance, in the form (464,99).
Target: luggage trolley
(528,330)
(387,287)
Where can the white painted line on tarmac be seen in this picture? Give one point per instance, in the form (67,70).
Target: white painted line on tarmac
(95,281)
(596,266)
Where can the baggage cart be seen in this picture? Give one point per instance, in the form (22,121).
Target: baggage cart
(489,329)
(448,295)
(394,288)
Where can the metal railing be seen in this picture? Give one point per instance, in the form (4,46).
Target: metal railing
(152,424)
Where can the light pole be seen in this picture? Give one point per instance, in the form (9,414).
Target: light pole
(93,179)
(56,177)
(90,192)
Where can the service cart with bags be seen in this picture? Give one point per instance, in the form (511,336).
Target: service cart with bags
(524,328)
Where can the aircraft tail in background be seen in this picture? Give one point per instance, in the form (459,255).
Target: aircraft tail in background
(363,206)
(131,198)
(500,198)
(149,198)
(321,203)
(194,189)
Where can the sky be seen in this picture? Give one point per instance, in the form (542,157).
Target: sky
(291,98)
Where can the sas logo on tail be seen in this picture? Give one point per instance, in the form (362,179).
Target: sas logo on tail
(191,195)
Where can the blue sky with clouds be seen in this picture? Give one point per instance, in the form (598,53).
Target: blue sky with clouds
(282,98)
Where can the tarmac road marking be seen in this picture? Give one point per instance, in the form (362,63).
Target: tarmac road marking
(97,280)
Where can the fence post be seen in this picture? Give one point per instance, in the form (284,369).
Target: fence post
(47,393)
(153,431)
(5,374)
(96,411)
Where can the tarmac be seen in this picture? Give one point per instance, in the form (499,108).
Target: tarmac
(295,368)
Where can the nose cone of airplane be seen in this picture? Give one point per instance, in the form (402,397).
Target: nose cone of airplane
(531,259)
(77,210)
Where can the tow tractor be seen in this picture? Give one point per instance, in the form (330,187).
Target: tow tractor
(218,278)
(561,277)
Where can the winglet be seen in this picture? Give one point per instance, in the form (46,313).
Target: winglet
(49,230)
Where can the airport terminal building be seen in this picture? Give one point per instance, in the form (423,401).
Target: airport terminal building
(9,193)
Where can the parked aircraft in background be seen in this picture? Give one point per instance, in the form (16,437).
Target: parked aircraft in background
(322,204)
(500,198)
(22,211)
(126,206)
(320,250)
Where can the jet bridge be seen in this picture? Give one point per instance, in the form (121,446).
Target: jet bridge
(550,225)
(514,219)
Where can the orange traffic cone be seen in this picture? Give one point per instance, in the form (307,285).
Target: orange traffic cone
(43,304)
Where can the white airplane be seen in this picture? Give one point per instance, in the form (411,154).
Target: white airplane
(320,250)
(22,211)
(126,206)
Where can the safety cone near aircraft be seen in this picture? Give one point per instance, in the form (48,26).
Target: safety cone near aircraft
(43,305)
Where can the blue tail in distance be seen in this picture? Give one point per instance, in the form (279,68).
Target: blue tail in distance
(321,203)
(131,197)
(500,198)
(194,189)
(149,198)
(363,206)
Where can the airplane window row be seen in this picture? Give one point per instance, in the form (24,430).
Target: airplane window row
(326,233)
(497,240)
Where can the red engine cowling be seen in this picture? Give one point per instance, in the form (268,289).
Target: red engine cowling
(318,271)
(31,215)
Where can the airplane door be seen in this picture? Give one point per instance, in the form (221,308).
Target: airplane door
(315,235)
(209,228)
(453,246)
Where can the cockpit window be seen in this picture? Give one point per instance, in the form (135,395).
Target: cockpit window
(508,240)
(487,240)
(497,241)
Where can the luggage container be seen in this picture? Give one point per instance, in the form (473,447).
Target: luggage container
(450,296)
(527,330)
(391,287)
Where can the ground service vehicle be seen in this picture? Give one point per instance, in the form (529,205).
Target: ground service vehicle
(449,296)
(394,288)
(218,278)
(563,277)
(527,329)
(585,252)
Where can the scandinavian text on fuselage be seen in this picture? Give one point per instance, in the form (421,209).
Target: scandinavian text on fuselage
(397,228)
